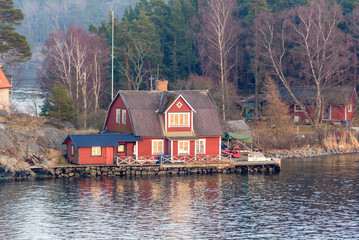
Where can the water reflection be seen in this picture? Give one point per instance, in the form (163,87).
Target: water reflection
(315,198)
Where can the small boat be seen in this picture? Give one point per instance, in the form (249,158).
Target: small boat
(234,153)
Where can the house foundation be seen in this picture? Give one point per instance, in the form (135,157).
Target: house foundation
(155,169)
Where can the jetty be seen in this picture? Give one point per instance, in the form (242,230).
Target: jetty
(136,169)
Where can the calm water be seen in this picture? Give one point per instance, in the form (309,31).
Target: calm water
(312,198)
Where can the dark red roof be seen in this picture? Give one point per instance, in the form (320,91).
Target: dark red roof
(337,95)
(4,83)
(145,107)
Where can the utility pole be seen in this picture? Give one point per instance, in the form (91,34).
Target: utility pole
(151,83)
(112,57)
(158,71)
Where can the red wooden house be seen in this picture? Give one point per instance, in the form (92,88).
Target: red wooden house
(178,125)
(338,102)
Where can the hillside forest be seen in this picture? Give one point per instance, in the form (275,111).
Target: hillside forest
(229,47)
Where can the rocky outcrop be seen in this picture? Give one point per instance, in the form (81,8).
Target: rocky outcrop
(311,152)
(49,137)
(26,141)
(23,143)
(13,168)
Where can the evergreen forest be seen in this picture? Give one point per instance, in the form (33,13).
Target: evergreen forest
(226,46)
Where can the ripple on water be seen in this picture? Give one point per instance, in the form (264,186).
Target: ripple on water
(305,200)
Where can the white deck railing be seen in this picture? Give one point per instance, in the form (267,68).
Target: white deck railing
(167,159)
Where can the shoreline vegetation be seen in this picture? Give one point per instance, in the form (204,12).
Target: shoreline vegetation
(35,141)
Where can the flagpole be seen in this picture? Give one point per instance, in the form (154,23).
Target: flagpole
(112,57)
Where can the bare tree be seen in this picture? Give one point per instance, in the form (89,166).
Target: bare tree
(135,56)
(58,53)
(98,60)
(77,61)
(219,40)
(309,37)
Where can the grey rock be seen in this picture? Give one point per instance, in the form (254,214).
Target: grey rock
(3,113)
(68,125)
(12,167)
(7,140)
(50,137)
(30,147)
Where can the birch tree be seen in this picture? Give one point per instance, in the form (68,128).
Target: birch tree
(307,36)
(218,42)
(76,60)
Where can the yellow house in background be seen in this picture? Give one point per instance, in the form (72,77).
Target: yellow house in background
(4,91)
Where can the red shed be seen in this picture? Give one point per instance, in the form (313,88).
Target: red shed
(99,148)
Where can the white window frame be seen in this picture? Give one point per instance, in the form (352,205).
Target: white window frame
(120,150)
(350,107)
(2,97)
(118,115)
(172,114)
(156,142)
(183,152)
(72,150)
(203,142)
(123,116)
(297,108)
(96,151)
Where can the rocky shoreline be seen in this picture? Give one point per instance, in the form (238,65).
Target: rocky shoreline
(311,152)
(11,168)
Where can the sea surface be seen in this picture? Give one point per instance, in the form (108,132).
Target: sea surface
(28,98)
(315,198)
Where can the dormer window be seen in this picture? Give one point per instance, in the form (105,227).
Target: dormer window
(179,119)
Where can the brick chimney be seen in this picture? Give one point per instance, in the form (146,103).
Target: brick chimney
(161,85)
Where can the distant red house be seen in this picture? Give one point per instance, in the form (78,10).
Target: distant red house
(177,124)
(338,102)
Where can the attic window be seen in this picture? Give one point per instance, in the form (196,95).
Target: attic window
(123,116)
(297,108)
(179,119)
(350,108)
(179,104)
(118,115)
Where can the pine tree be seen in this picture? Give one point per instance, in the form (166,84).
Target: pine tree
(11,41)
(58,106)
(144,32)
(176,42)
(249,10)
(348,5)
